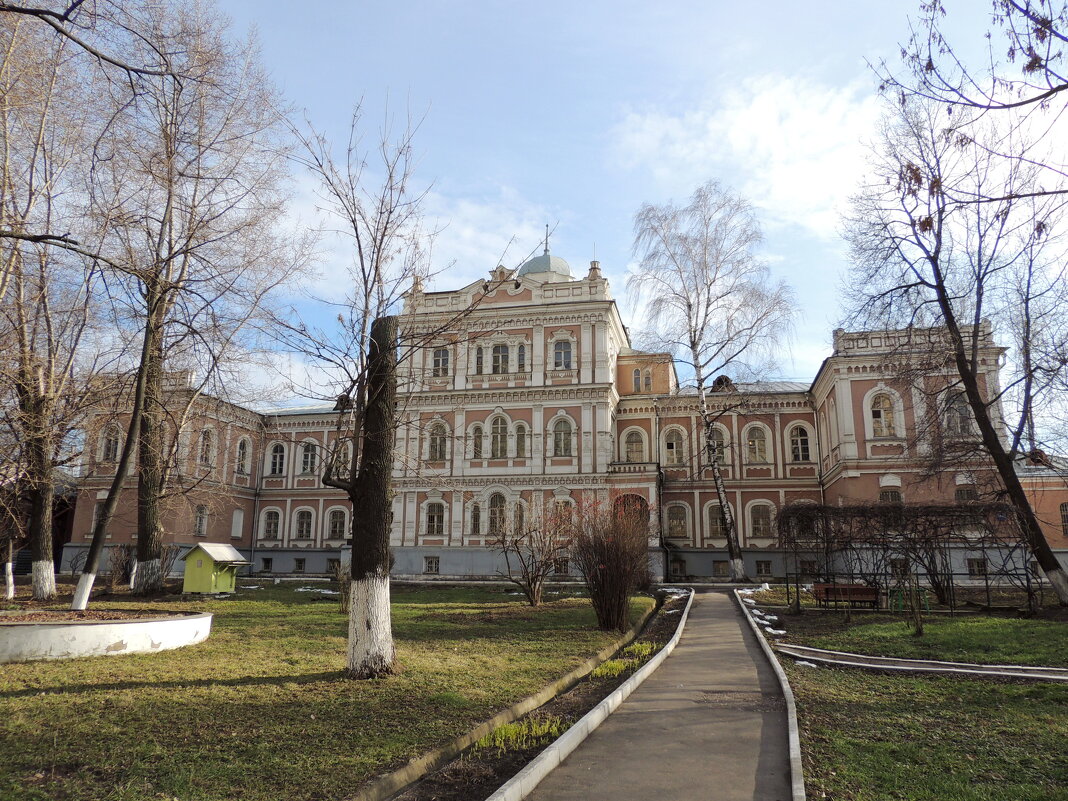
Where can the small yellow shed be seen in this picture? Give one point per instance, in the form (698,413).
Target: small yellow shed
(212,567)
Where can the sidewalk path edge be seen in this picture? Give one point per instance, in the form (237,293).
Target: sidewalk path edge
(797,776)
(389,784)
(524,782)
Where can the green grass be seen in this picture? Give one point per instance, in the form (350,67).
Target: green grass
(989,640)
(530,732)
(867,736)
(261,710)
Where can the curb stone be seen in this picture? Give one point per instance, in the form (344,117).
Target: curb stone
(524,782)
(389,784)
(797,776)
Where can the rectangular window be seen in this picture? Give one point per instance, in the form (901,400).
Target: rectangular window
(237,524)
(200,523)
(435,519)
(332,566)
(720,568)
(441,362)
(266,565)
(560,566)
(809,567)
(977,568)
(966,494)
(678,567)
(763,567)
(890,496)
(500,359)
(298,565)
(431,565)
(899,567)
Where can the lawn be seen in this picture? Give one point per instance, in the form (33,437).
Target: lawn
(982,639)
(261,709)
(867,736)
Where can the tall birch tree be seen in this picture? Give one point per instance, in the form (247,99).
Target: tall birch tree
(710,302)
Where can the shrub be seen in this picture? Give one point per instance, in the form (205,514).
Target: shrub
(611,551)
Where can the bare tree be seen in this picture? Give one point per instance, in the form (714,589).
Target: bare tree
(925,254)
(188,188)
(47,293)
(1021,77)
(534,549)
(711,303)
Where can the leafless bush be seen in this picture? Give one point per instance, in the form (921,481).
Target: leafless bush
(168,556)
(343,577)
(77,562)
(611,550)
(533,550)
(120,561)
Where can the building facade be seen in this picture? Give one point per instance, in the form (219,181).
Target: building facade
(525,394)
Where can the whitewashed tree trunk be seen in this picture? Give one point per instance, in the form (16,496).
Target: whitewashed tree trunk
(9,580)
(82,592)
(148,579)
(133,571)
(1058,579)
(371,650)
(44,580)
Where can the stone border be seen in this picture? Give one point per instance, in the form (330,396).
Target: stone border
(897,664)
(28,641)
(524,782)
(797,775)
(392,783)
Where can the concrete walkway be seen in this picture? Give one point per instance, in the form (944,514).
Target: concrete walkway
(709,725)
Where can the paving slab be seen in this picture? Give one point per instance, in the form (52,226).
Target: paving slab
(709,725)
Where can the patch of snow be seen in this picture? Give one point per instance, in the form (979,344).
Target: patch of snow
(317,589)
(746,592)
(748,601)
(673,612)
(776,632)
(803,663)
(765,586)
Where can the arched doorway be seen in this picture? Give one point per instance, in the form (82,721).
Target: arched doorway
(631,505)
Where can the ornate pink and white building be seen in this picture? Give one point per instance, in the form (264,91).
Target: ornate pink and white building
(536,397)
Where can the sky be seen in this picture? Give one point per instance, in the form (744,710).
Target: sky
(575,114)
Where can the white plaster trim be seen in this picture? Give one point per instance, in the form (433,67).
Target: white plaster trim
(523,783)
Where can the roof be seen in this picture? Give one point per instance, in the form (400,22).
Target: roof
(546,264)
(219,552)
(756,387)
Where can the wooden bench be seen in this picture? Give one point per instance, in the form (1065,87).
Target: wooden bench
(852,594)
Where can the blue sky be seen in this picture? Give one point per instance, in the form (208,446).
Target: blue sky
(575,114)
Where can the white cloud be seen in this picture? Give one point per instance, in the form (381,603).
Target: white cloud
(793,146)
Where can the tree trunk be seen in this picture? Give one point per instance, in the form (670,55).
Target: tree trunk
(150,469)
(9,572)
(371,652)
(40,531)
(734,549)
(1003,462)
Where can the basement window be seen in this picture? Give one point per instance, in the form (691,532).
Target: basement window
(431,564)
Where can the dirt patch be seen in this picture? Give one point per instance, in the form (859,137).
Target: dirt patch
(45,616)
(478,772)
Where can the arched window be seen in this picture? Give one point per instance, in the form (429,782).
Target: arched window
(109,449)
(635,447)
(304,524)
(338,529)
(637,380)
(242,458)
(521,359)
(673,447)
(498,439)
(278,459)
(882,416)
(476,519)
(476,442)
(717,447)
(207,446)
(520,441)
(958,415)
(799,450)
(271,521)
(200,522)
(648,380)
(435,519)
(308,460)
(439,443)
(440,362)
(478,361)
(760,520)
(500,359)
(717,529)
(496,514)
(519,519)
(562,355)
(562,438)
(756,445)
(676,522)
